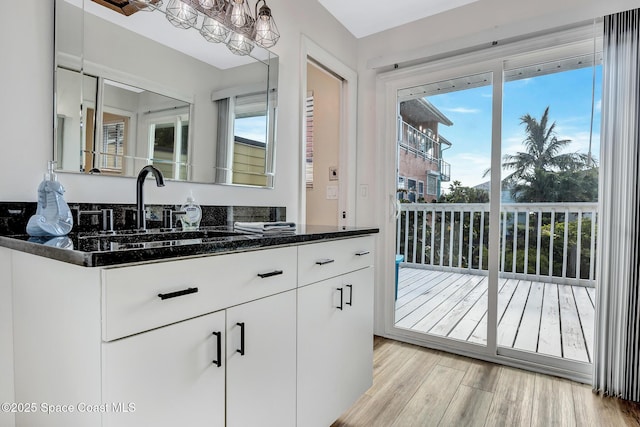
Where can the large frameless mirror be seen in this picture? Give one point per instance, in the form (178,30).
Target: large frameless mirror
(127,96)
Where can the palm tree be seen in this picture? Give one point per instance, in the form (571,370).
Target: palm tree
(537,171)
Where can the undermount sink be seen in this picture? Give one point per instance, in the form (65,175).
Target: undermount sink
(167,234)
(136,239)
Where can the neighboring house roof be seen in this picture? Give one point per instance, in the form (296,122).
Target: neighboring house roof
(248,141)
(419,110)
(505,191)
(445,141)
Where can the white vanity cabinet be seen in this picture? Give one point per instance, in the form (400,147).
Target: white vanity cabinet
(242,339)
(335,328)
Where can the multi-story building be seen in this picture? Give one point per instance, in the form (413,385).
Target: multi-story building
(421,167)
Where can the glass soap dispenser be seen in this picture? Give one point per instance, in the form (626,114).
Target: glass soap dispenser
(53,216)
(192,214)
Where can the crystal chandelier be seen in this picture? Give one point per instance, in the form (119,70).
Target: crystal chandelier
(221,21)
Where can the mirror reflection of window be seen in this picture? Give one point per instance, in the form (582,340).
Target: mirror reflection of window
(114,141)
(249,139)
(75,111)
(168,145)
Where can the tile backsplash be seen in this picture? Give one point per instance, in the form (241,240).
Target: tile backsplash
(14,215)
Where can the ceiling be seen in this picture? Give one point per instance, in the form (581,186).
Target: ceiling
(360,17)
(366,17)
(154,26)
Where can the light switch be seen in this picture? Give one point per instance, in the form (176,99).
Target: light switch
(332,192)
(333,173)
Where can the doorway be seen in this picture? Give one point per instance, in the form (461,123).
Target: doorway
(322,151)
(495,252)
(333,176)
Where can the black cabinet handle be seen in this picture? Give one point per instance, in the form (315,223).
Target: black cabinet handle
(241,349)
(178,293)
(341,295)
(218,361)
(350,295)
(270,274)
(361,253)
(325,261)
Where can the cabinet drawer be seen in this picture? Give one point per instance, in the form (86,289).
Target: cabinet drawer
(319,261)
(143,297)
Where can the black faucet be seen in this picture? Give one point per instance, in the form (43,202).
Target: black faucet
(141,222)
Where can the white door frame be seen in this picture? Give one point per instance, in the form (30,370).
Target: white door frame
(348,122)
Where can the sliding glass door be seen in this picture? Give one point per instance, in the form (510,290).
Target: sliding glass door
(442,234)
(549,204)
(495,200)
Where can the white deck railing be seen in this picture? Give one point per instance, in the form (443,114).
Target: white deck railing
(547,242)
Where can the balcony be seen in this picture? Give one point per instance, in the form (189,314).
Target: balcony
(445,171)
(547,267)
(417,142)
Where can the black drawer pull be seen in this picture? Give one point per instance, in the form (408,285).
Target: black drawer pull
(341,295)
(361,253)
(270,274)
(241,349)
(178,293)
(350,302)
(218,361)
(325,261)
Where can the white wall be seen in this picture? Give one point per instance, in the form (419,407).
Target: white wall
(469,27)
(26,112)
(6,337)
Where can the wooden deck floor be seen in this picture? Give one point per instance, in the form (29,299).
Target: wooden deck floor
(546,318)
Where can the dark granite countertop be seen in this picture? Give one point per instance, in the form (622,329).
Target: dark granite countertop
(101,249)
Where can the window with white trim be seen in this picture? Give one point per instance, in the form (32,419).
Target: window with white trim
(432,185)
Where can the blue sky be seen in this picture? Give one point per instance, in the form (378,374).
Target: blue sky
(251,127)
(568,94)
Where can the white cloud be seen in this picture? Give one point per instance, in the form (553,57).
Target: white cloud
(521,82)
(568,121)
(580,143)
(513,144)
(462,110)
(468,168)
